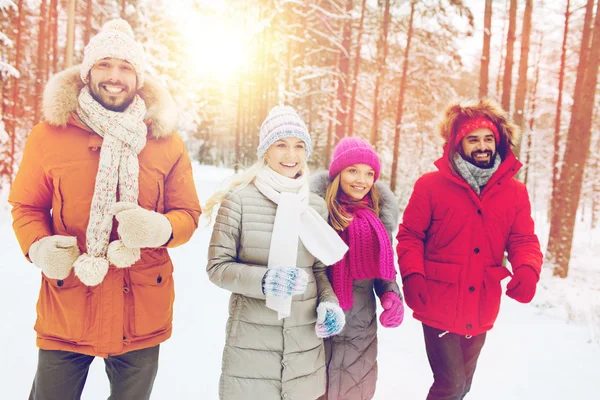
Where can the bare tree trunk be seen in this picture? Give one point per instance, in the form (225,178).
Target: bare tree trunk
(356,69)
(41,62)
(16,103)
(501,63)
(238,124)
(382,49)
(485,54)
(596,189)
(521,92)
(557,120)
(70,34)
(344,67)
(576,153)
(509,61)
(584,50)
(528,162)
(328,145)
(53,41)
(5,176)
(87,34)
(400,110)
(123,8)
(261,77)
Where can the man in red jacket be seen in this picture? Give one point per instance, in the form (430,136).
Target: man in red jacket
(458,223)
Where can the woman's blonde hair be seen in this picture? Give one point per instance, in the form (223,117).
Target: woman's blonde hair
(338,219)
(236,182)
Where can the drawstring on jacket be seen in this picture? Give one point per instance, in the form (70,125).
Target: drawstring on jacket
(441,335)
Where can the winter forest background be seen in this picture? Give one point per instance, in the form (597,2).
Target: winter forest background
(383,70)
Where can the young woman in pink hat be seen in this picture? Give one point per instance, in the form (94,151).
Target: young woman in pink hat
(364,212)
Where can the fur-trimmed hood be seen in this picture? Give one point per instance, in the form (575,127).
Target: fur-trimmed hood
(61,100)
(389,210)
(456,112)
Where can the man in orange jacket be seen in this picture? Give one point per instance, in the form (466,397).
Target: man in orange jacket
(104,188)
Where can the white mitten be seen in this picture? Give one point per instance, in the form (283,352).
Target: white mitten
(139,228)
(330,319)
(55,255)
(121,256)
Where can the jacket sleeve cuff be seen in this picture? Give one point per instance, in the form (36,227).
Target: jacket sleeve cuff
(183,226)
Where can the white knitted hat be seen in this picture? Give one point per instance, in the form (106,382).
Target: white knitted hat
(115,40)
(282,122)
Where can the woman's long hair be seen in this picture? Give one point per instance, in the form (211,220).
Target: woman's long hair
(236,182)
(338,218)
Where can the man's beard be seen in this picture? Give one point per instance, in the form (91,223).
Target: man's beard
(481,164)
(105,99)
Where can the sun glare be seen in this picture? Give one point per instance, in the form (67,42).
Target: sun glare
(216,48)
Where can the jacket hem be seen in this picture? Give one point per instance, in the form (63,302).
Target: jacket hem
(53,344)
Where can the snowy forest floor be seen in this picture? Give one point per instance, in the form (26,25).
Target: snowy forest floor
(549,349)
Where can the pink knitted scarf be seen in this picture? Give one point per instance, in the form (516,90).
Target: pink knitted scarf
(370,251)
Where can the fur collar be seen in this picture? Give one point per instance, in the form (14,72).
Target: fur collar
(61,99)
(389,210)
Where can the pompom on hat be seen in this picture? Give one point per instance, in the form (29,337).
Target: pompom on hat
(282,122)
(115,40)
(351,151)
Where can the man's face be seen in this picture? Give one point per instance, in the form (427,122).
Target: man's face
(113,83)
(479,148)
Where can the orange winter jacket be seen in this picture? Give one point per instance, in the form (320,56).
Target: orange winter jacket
(51,195)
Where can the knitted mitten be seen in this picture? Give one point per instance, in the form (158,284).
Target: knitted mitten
(55,255)
(140,228)
(393,307)
(284,281)
(330,319)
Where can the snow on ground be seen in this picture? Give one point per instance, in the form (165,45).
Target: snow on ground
(548,350)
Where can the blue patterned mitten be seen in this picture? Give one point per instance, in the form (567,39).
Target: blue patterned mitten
(284,281)
(330,319)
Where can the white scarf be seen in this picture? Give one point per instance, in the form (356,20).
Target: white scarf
(124,136)
(295,219)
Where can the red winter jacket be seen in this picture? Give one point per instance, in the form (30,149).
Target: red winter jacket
(457,240)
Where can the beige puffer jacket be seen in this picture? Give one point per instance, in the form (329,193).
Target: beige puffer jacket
(265,358)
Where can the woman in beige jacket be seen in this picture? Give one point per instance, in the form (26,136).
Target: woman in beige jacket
(269,247)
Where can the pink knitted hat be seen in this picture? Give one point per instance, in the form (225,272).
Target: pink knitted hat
(350,151)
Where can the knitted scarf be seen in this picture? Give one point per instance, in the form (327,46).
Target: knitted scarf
(124,136)
(476,177)
(295,219)
(370,252)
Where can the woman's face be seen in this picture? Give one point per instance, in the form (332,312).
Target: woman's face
(357,180)
(287,156)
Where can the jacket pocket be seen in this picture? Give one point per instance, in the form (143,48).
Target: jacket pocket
(491,292)
(57,208)
(153,296)
(160,202)
(442,287)
(151,196)
(61,308)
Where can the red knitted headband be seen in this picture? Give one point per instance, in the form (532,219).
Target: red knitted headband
(469,125)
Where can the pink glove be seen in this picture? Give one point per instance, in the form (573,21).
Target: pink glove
(522,285)
(393,313)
